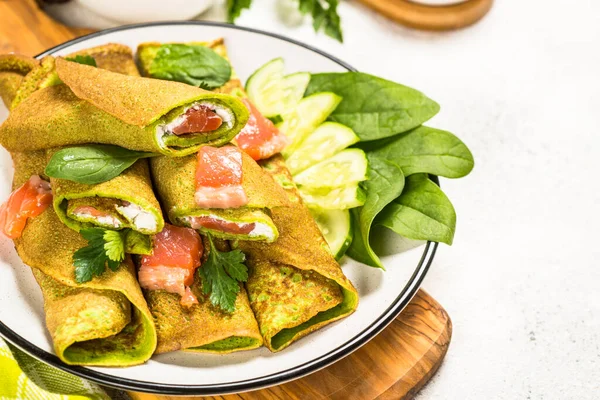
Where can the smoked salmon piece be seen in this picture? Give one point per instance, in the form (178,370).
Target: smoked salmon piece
(198,119)
(176,255)
(219,178)
(27,201)
(260,139)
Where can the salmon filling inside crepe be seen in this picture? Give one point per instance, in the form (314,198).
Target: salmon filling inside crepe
(199,119)
(176,255)
(259,138)
(112,213)
(27,201)
(219,178)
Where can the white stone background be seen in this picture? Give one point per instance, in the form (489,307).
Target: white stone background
(522,89)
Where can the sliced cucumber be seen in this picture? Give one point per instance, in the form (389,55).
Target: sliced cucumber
(346,168)
(294,86)
(310,112)
(328,139)
(265,88)
(336,226)
(333,199)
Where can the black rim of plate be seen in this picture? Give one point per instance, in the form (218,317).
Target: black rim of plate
(405,296)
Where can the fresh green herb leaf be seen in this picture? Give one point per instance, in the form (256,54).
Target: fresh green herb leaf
(191,64)
(385,184)
(114,245)
(276,119)
(137,243)
(235,8)
(221,274)
(426,150)
(324,15)
(422,212)
(91,164)
(373,107)
(104,247)
(85,60)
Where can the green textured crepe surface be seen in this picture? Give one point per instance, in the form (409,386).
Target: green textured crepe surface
(175,183)
(104,322)
(41,76)
(133,185)
(100,106)
(112,57)
(13,69)
(295,285)
(203,327)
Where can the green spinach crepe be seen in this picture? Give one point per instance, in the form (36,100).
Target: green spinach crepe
(174,180)
(99,106)
(295,285)
(13,69)
(124,202)
(203,327)
(103,322)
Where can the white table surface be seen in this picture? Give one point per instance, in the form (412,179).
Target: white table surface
(521,282)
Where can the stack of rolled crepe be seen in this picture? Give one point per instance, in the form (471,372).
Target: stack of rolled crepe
(105,321)
(295,285)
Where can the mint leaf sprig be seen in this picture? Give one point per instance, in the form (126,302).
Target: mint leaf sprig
(105,247)
(221,274)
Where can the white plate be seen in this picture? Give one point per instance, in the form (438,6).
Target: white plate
(382,294)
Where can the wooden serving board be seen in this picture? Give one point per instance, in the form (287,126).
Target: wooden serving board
(394,365)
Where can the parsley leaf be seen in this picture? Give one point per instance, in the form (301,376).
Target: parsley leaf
(323,12)
(104,247)
(235,8)
(220,275)
(85,60)
(325,18)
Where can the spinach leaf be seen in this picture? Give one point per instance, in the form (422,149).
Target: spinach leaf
(235,8)
(426,150)
(93,163)
(422,212)
(385,183)
(373,107)
(192,64)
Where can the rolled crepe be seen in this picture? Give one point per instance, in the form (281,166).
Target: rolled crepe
(112,57)
(126,201)
(203,327)
(13,68)
(98,106)
(174,180)
(295,285)
(103,322)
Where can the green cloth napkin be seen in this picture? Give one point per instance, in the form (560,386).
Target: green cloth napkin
(24,377)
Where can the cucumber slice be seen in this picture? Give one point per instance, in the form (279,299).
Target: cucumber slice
(336,226)
(333,199)
(294,86)
(265,88)
(328,139)
(346,168)
(310,112)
